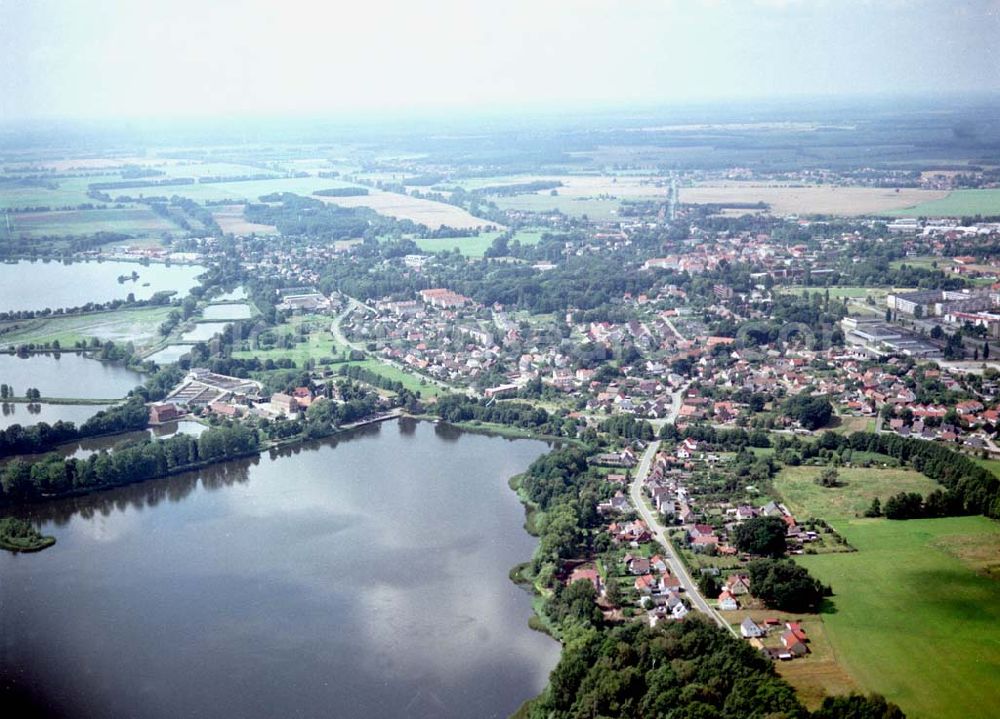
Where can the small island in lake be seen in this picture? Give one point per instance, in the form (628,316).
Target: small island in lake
(17,535)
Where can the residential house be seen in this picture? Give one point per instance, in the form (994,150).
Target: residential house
(793,645)
(738,584)
(749,629)
(637,565)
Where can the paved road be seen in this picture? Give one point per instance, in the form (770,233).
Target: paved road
(659,532)
(338,334)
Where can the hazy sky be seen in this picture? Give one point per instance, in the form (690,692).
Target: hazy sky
(98,58)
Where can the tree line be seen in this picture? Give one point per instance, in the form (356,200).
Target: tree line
(970,489)
(43,437)
(458,408)
(53,476)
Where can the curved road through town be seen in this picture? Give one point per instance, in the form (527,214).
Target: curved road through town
(659,533)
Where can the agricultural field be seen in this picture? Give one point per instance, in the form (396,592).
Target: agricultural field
(641,186)
(232,221)
(427,212)
(92,164)
(593,208)
(959,203)
(404,207)
(139,326)
(810,200)
(69,192)
(13,197)
(250,190)
(860,486)
(210,169)
(910,620)
(130,220)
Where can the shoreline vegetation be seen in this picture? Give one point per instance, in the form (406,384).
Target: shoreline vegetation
(18,535)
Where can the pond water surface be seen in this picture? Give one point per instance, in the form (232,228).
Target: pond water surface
(67,375)
(77,283)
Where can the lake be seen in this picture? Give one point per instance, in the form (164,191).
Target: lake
(77,283)
(67,375)
(24,414)
(365,577)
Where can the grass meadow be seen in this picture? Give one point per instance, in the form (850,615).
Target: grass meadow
(958,203)
(911,618)
(129,220)
(593,208)
(807,499)
(410,381)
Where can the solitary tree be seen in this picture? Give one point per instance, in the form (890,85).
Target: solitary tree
(828,478)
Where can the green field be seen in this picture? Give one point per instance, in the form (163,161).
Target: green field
(129,220)
(139,326)
(319,342)
(71,191)
(476,245)
(594,209)
(412,382)
(847,424)
(837,293)
(250,190)
(912,621)
(807,499)
(957,204)
(928,262)
(991,464)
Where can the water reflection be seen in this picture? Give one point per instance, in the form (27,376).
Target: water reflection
(136,496)
(360,576)
(77,283)
(67,375)
(447,432)
(407,426)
